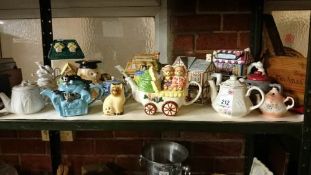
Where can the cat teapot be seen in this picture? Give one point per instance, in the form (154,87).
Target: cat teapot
(233,99)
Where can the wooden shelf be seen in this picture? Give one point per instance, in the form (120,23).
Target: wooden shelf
(195,117)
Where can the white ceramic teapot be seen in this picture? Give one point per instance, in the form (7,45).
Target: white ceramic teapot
(232,99)
(26,99)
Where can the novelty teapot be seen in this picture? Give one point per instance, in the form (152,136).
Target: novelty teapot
(274,104)
(233,100)
(25,99)
(72,97)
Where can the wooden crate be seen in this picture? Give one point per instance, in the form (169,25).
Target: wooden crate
(290,72)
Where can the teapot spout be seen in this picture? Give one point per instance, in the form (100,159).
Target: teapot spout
(6,101)
(47,92)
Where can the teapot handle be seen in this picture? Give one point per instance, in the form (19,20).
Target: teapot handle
(289,106)
(262,97)
(98,95)
(198,94)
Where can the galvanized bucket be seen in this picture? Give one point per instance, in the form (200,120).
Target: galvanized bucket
(164,158)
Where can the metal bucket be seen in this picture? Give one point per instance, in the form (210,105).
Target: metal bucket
(164,158)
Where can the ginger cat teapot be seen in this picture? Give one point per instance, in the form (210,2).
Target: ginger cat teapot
(233,99)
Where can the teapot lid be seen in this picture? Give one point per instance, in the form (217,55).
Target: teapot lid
(258,76)
(25,85)
(232,82)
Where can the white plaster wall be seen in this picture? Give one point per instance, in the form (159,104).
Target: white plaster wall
(293,27)
(112,40)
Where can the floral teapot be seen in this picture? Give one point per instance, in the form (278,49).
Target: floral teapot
(233,99)
(72,97)
(274,104)
(26,99)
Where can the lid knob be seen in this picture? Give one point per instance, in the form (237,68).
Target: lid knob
(233,78)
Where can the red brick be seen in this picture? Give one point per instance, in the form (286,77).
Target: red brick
(214,41)
(217,6)
(236,22)
(76,162)
(137,134)
(196,23)
(80,147)
(183,43)
(36,162)
(23,146)
(228,148)
(118,146)
(93,134)
(244,40)
(200,165)
(228,165)
(10,159)
(129,163)
(216,165)
(8,134)
(29,134)
(188,135)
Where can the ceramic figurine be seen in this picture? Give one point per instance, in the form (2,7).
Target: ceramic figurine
(47,76)
(88,70)
(179,78)
(168,102)
(168,72)
(274,104)
(59,47)
(199,70)
(233,99)
(72,47)
(233,62)
(72,97)
(114,103)
(140,61)
(259,77)
(26,99)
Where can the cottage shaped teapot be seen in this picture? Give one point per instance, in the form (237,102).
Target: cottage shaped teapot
(232,99)
(25,99)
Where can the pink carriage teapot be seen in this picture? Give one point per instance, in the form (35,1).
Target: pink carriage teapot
(274,104)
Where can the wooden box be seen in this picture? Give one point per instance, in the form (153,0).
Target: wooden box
(290,72)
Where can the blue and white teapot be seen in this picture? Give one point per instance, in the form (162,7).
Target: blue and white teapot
(72,97)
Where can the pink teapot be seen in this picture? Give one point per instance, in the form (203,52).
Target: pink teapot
(274,104)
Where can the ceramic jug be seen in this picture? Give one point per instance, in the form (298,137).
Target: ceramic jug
(233,100)
(25,99)
(274,104)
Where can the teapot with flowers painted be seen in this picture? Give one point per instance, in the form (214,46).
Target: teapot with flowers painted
(233,100)
(274,104)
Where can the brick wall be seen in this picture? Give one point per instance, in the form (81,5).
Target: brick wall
(197,28)
(209,152)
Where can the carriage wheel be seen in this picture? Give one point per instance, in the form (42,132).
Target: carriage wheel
(150,109)
(170,108)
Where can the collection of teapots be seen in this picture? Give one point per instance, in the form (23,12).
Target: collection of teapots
(74,95)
